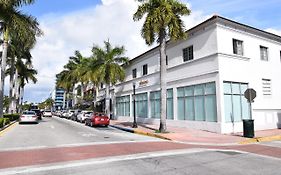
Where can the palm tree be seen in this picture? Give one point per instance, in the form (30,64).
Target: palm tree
(162,21)
(25,74)
(106,67)
(16,52)
(15,25)
(77,70)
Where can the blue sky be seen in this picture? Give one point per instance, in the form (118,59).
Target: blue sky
(71,25)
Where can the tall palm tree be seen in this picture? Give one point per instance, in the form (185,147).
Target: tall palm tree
(25,74)
(106,65)
(162,21)
(16,51)
(15,25)
(78,69)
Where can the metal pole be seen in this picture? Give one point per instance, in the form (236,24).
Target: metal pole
(135,125)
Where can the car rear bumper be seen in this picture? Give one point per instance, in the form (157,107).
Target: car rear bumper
(28,120)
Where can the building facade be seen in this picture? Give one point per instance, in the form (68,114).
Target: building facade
(59,98)
(207,75)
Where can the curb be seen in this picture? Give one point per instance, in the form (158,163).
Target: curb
(261,139)
(5,128)
(137,131)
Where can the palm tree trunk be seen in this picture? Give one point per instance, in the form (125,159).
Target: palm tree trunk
(163,83)
(17,92)
(82,91)
(3,67)
(107,100)
(20,98)
(12,86)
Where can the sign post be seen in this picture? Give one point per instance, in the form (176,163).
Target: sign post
(250,94)
(248,124)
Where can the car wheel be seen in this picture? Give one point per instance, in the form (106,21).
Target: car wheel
(86,123)
(106,125)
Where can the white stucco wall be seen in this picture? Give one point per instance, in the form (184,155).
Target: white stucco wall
(249,68)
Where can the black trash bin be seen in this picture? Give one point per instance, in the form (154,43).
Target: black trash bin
(248,128)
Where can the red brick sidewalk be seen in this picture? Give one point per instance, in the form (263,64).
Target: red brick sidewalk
(196,136)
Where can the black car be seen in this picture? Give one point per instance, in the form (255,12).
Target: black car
(38,113)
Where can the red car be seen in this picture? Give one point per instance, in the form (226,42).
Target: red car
(97,119)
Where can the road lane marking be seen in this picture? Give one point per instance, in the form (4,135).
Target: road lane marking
(7,129)
(75,145)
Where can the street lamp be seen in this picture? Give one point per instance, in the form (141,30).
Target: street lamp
(135,125)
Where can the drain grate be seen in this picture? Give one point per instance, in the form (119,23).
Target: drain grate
(232,153)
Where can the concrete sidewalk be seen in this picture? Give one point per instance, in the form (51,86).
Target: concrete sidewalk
(193,136)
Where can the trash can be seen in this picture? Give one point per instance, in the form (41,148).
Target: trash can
(248,128)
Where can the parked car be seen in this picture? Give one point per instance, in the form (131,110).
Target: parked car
(69,114)
(28,117)
(74,115)
(47,113)
(83,115)
(38,113)
(97,119)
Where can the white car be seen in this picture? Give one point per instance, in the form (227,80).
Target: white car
(28,117)
(47,113)
(83,115)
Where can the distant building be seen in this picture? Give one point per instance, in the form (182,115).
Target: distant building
(207,75)
(58,97)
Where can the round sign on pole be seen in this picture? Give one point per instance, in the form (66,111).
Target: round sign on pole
(250,94)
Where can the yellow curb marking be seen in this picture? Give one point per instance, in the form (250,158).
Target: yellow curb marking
(261,139)
(7,129)
(150,134)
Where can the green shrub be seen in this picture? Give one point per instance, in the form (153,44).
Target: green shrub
(11,117)
(1,122)
(6,121)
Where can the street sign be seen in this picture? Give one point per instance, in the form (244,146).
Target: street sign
(250,94)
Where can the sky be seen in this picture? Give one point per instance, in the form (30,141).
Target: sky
(70,25)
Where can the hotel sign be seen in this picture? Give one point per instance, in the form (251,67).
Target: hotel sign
(143,82)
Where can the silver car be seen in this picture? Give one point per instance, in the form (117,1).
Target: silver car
(28,117)
(83,115)
(47,113)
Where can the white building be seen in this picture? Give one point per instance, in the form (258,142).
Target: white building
(207,75)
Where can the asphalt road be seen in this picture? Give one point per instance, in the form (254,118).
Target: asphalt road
(182,162)
(57,132)
(58,146)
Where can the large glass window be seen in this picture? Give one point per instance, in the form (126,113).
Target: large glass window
(197,102)
(123,106)
(170,104)
(141,105)
(155,104)
(236,106)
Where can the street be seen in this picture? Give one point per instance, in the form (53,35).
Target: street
(57,132)
(58,146)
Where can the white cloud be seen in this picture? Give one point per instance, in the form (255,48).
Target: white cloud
(112,19)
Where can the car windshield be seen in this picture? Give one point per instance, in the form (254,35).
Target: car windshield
(88,112)
(29,113)
(47,111)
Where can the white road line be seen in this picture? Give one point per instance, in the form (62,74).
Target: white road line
(34,169)
(77,145)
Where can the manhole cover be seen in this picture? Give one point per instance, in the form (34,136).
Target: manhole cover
(106,137)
